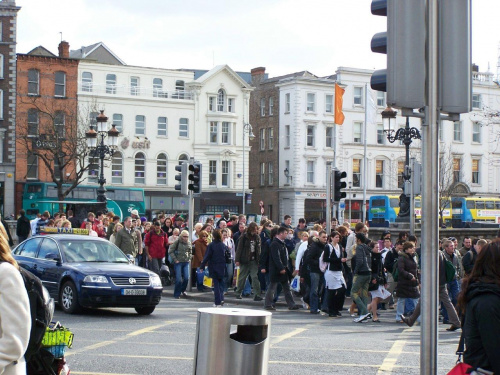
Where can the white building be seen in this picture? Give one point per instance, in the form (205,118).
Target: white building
(165,116)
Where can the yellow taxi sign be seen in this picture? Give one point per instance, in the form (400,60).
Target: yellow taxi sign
(54,230)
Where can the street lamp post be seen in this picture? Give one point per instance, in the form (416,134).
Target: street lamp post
(247,129)
(98,148)
(405,135)
(350,200)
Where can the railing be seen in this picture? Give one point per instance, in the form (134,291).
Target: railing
(130,91)
(482,77)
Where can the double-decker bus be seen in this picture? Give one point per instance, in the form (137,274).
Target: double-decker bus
(466,211)
(42,196)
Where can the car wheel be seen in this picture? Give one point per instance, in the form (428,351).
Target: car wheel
(68,299)
(145,310)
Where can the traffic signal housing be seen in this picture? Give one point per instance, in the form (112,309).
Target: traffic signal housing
(195,177)
(182,177)
(338,185)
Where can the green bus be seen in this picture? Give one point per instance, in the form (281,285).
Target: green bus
(42,196)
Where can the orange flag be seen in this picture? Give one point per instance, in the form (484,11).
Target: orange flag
(339,115)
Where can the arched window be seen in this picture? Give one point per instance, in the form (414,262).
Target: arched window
(33,82)
(158,88)
(179,90)
(110,83)
(183,157)
(117,168)
(161,169)
(87,81)
(221,96)
(140,168)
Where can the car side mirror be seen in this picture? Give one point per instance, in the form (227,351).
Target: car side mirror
(53,256)
(131,259)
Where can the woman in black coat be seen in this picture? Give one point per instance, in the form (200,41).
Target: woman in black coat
(407,278)
(480,301)
(215,257)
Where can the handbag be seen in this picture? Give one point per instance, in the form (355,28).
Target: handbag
(460,368)
(295,285)
(227,255)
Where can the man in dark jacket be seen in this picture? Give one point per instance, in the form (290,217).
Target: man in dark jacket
(362,277)
(312,260)
(278,271)
(247,258)
(23,227)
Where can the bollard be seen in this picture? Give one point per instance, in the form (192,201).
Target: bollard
(232,341)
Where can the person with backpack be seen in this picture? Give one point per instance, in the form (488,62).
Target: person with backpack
(155,244)
(181,253)
(362,277)
(335,257)
(15,315)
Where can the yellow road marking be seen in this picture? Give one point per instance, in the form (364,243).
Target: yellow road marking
(393,355)
(281,338)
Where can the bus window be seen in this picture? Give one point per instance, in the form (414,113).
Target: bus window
(497,205)
(490,205)
(34,188)
(446,204)
(121,195)
(85,193)
(110,194)
(136,196)
(418,203)
(51,192)
(394,202)
(378,203)
(480,205)
(457,204)
(470,205)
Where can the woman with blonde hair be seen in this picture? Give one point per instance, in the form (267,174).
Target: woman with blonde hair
(116,228)
(15,318)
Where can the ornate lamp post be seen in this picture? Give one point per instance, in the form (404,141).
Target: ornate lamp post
(247,129)
(405,135)
(100,149)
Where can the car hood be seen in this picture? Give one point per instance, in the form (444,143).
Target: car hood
(110,269)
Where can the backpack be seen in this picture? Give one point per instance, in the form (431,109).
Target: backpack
(450,270)
(395,270)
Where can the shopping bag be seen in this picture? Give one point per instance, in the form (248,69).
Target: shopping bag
(459,369)
(385,293)
(199,276)
(295,285)
(236,274)
(207,281)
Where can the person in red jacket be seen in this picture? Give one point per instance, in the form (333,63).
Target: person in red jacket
(156,242)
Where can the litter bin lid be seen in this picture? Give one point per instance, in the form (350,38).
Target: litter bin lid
(233,311)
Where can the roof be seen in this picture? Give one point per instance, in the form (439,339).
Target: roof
(97,51)
(303,73)
(41,51)
(246,76)
(211,73)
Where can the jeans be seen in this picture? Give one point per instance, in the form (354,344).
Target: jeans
(218,291)
(400,309)
(359,292)
(453,288)
(409,306)
(228,277)
(314,296)
(181,278)
(155,265)
(271,294)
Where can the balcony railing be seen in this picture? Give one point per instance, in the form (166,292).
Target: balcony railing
(485,77)
(131,91)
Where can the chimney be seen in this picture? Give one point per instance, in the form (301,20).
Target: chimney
(64,49)
(258,71)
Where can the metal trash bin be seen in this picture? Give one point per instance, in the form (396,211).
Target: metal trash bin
(232,341)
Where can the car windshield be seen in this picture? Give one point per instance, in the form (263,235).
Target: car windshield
(77,251)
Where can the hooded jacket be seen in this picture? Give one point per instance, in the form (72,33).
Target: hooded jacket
(363,260)
(481,328)
(408,276)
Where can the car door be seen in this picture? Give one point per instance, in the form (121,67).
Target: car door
(26,255)
(49,269)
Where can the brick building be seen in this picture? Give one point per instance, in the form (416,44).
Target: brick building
(8,24)
(46,115)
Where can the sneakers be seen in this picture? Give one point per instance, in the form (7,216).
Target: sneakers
(257,298)
(362,318)
(184,294)
(270,308)
(294,307)
(406,319)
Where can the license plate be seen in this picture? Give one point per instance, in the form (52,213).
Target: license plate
(134,292)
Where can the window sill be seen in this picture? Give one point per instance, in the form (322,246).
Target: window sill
(454,141)
(60,97)
(328,113)
(183,138)
(311,113)
(162,136)
(286,147)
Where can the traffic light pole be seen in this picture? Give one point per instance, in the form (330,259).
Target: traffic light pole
(328,200)
(190,229)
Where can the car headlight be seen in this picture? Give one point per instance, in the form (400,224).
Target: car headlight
(95,279)
(155,280)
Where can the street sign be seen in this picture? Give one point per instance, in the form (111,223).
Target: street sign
(342,205)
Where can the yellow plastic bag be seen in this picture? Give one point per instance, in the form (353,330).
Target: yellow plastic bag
(208,282)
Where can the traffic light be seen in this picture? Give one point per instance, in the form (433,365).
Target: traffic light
(195,177)
(338,184)
(404,44)
(182,177)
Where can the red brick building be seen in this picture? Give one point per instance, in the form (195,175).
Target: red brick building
(46,112)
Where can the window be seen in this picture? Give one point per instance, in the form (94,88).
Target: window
(183,127)
(440,131)
(93,169)
(32,167)
(60,84)
(179,90)
(457,131)
(59,124)
(225,133)
(311,102)
(262,174)
(287,103)
(476,132)
(1,31)
(162,126)
(118,121)
(211,103)
(380,134)
(213,132)
(212,173)
(358,96)
(476,101)
(1,104)
(158,88)
(271,106)
(270,138)
(310,171)
(357,132)
(230,105)
(33,82)
(380,99)
(329,104)
(287,168)
(134,86)
(117,168)
(93,118)
(329,137)
(262,139)
(87,82)
(356,172)
(220,100)
(401,171)
(379,173)
(57,167)
(140,125)
(287,135)
(161,169)
(310,136)
(140,168)
(457,164)
(183,157)
(475,171)
(225,173)
(270,175)
(32,123)
(110,83)
(263,107)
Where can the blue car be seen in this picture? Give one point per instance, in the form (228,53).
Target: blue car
(82,271)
